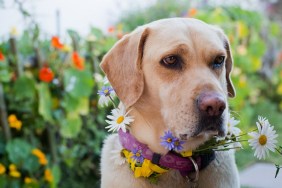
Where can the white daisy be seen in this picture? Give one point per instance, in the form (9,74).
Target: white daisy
(232,130)
(263,140)
(106,93)
(119,119)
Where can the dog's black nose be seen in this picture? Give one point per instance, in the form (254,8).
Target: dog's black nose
(211,104)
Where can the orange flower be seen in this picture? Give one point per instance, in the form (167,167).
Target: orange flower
(40,155)
(192,12)
(2,57)
(48,175)
(2,169)
(46,74)
(14,122)
(77,61)
(56,42)
(111,29)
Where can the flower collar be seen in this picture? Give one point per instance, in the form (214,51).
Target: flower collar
(171,160)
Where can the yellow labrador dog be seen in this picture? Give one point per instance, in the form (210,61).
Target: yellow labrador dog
(173,74)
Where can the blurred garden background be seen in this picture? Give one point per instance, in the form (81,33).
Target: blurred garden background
(52,129)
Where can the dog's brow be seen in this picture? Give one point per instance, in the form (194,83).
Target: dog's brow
(179,49)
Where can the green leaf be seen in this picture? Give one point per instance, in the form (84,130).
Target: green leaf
(24,88)
(73,34)
(97,32)
(78,83)
(71,126)
(56,172)
(4,76)
(31,164)
(45,102)
(274,29)
(18,151)
(3,181)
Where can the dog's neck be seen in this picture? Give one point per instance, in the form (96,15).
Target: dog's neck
(148,127)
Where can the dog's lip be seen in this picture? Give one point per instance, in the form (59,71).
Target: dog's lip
(209,132)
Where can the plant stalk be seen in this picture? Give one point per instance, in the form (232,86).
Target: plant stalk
(3,115)
(52,143)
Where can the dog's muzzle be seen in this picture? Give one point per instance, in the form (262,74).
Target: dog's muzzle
(211,106)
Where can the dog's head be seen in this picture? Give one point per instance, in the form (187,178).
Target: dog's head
(175,72)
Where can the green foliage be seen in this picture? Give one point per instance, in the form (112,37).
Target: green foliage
(52,106)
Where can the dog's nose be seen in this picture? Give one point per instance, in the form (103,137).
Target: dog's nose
(211,104)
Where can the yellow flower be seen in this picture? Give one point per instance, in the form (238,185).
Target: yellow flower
(186,153)
(147,168)
(28,180)
(14,122)
(279,89)
(12,167)
(40,155)
(66,48)
(12,118)
(144,170)
(2,169)
(48,175)
(17,125)
(13,171)
(242,81)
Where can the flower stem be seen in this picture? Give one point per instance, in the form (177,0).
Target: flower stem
(112,101)
(280,152)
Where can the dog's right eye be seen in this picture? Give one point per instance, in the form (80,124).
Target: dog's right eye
(172,61)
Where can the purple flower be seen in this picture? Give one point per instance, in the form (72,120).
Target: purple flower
(137,155)
(178,145)
(105,91)
(171,143)
(168,140)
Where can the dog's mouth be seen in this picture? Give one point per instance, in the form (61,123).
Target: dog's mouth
(207,127)
(212,125)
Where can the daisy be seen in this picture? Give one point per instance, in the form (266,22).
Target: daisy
(168,140)
(231,126)
(106,93)
(263,140)
(119,119)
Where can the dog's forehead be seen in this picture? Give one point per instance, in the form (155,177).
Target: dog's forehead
(167,34)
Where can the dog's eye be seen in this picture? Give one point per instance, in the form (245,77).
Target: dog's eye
(218,62)
(172,61)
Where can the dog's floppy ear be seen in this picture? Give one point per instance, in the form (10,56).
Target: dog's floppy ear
(122,66)
(228,67)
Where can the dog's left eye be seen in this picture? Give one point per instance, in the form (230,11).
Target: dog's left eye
(172,61)
(218,62)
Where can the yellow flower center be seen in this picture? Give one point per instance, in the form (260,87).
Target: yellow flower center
(106,91)
(120,119)
(262,139)
(137,154)
(168,140)
(176,143)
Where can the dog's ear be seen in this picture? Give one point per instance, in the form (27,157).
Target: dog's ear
(122,66)
(228,67)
